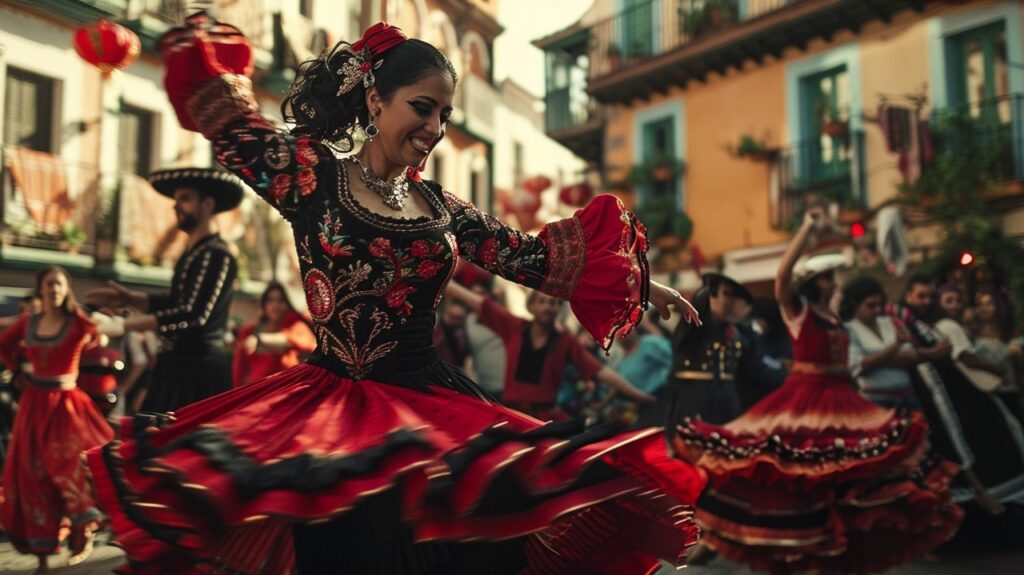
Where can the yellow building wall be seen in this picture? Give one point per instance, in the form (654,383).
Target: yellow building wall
(728,198)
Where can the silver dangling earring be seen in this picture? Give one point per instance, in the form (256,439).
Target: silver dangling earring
(371,129)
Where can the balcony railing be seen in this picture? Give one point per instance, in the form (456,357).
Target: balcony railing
(829,168)
(648,30)
(994,131)
(567,108)
(46,202)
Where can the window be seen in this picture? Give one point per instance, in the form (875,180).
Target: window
(28,111)
(637,28)
(979,72)
(824,153)
(306,8)
(659,143)
(135,152)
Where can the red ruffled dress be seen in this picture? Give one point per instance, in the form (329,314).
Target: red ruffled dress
(45,481)
(249,367)
(417,468)
(815,477)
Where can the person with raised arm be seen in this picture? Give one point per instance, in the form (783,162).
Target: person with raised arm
(375,456)
(815,478)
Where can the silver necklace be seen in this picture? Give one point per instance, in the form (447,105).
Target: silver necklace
(394,195)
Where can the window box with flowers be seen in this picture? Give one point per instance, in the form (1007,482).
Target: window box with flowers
(835,121)
(754,149)
(660,168)
(667,227)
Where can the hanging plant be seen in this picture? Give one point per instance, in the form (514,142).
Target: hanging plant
(658,168)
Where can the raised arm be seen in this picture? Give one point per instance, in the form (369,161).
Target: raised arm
(208,83)
(784,276)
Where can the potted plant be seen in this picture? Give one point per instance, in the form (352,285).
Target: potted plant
(667,227)
(72,237)
(754,149)
(835,121)
(660,167)
(710,16)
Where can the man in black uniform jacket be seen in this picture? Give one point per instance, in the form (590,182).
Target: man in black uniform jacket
(707,360)
(192,318)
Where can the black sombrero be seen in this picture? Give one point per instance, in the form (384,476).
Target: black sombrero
(226,188)
(741,290)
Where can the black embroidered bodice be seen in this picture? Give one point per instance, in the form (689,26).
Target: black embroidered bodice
(372,282)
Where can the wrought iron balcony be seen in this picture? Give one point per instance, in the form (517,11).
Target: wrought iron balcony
(828,168)
(654,45)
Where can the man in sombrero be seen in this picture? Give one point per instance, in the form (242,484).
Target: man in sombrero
(709,359)
(192,318)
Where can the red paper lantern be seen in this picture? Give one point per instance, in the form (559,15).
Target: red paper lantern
(107,45)
(576,195)
(537,184)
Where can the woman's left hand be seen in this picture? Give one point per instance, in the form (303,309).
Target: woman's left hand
(663,297)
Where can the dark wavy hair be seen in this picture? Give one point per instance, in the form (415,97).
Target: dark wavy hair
(855,292)
(70,305)
(312,106)
(274,286)
(1004,312)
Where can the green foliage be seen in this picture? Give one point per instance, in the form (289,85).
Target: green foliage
(973,156)
(72,235)
(644,173)
(697,20)
(662,219)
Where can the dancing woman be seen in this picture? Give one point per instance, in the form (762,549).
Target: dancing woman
(281,339)
(45,481)
(385,459)
(814,477)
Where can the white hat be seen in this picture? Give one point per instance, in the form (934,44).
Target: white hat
(813,266)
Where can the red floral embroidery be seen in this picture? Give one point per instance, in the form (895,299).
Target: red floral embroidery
(306,181)
(381,248)
(319,296)
(428,269)
(420,249)
(279,186)
(489,251)
(396,297)
(305,154)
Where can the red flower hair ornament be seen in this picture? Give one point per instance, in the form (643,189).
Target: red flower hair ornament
(367,55)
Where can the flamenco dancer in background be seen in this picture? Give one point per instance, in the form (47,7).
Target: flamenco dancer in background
(45,481)
(281,339)
(814,477)
(385,459)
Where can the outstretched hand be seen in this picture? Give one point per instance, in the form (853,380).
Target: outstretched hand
(113,296)
(664,298)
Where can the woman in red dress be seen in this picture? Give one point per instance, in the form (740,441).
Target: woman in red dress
(280,340)
(815,478)
(375,456)
(45,481)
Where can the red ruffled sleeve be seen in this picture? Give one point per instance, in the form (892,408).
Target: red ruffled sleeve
(597,259)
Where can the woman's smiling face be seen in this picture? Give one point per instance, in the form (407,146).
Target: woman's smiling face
(413,121)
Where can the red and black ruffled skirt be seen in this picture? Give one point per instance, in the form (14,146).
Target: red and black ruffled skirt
(816,478)
(420,480)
